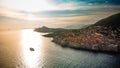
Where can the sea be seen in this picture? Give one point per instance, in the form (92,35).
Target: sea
(15,53)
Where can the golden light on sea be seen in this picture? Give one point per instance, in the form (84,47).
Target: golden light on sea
(31,39)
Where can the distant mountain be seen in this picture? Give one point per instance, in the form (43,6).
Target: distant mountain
(77,26)
(46,29)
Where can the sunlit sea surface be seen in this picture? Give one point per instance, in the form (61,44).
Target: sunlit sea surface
(15,53)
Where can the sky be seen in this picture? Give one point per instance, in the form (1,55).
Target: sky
(59,12)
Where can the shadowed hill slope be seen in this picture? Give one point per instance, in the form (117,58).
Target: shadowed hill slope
(112,21)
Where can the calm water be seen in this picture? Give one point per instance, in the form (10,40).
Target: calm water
(15,53)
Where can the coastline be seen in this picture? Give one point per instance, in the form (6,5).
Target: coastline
(102,36)
(96,48)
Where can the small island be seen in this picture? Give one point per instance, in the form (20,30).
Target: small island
(104,35)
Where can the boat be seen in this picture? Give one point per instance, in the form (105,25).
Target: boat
(32,49)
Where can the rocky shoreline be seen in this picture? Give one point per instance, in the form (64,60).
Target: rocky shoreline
(86,46)
(95,38)
(87,39)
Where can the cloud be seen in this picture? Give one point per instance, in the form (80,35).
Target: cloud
(68,12)
(94,2)
(79,11)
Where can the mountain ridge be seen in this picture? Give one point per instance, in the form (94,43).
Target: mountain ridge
(111,21)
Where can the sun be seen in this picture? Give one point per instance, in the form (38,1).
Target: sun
(29,5)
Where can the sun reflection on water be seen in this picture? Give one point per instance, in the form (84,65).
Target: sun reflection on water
(31,39)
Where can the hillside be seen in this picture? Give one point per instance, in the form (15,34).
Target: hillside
(112,21)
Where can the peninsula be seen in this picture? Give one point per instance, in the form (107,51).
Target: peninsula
(104,35)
